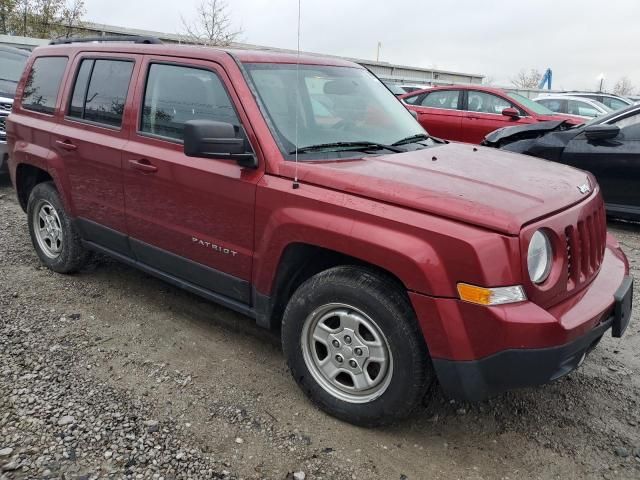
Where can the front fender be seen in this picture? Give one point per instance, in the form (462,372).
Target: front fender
(428,254)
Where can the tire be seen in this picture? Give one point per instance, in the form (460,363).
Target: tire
(378,312)
(61,250)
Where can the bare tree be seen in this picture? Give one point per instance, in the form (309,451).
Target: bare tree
(71,16)
(526,79)
(624,87)
(212,25)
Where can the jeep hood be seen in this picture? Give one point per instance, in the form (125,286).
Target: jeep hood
(490,188)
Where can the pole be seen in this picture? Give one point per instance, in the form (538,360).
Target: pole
(378,52)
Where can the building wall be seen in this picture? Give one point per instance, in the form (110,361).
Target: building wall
(386,71)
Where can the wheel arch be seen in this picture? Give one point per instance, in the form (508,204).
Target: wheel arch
(298,262)
(27,177)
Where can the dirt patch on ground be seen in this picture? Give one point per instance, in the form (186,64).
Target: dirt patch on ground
(113,373)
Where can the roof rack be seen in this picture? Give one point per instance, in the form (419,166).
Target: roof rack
(112,38)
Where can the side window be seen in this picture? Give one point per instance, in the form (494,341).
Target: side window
(576,107)
(632,131)
(483,102)
(555,104)
(629,121)
(175,95)
(412,100)
(100,91)
(614,103)
(43,83)
(447,99)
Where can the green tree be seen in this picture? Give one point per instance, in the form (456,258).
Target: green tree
(7,14)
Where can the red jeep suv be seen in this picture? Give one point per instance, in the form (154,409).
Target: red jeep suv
(468,113)
(300,192)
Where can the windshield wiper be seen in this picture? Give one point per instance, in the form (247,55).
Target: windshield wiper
(411,139)
(416,138)
(361,145)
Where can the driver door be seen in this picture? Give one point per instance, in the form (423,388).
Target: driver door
(191,218)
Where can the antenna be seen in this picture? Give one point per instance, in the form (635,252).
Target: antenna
(296,185)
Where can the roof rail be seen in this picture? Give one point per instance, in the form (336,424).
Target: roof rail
(112,38)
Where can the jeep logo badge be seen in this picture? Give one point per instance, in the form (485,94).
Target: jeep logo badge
(584,189)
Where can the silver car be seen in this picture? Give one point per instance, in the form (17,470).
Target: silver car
(583,107)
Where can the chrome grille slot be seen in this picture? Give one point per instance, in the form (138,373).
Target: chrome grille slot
(3,133)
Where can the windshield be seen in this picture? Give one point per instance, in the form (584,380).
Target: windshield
(336,105)
(11,67)
(530,104)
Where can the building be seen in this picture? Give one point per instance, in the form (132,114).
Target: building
(385,71)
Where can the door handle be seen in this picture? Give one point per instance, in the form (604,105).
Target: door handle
(66,145)
(143,165)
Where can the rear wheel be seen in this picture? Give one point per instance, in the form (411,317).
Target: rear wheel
(53,235)
(353,345)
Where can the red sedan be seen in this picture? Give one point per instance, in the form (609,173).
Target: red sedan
(468,113)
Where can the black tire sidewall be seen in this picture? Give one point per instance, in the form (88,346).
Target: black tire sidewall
(394,317)
(73,254)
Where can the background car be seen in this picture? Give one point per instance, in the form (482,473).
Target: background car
(12,62)
(584,107)
(614,102)
(608,147)
(469,113)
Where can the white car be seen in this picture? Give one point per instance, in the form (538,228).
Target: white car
(614,102)
(583,107)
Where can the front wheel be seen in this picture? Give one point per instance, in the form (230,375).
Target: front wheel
(353,345)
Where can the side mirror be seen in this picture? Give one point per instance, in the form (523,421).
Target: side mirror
(601,132)
(511,112)
(209,139)
(414,114)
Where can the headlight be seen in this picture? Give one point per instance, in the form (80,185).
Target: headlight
(539,257)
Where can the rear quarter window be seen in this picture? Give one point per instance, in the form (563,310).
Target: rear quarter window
(43,84)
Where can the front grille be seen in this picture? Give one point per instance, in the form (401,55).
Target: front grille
(3,133)
(585,241)
(5,107)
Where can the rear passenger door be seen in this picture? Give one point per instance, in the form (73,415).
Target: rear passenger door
(438,112)
(90,141)
(191,218)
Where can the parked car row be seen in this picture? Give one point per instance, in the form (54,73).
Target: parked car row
(614,102)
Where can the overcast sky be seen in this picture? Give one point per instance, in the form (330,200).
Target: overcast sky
(579,40)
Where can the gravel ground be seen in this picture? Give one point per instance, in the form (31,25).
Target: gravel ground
(111,373)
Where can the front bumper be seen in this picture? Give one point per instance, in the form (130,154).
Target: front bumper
(477,379)
(480,351)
